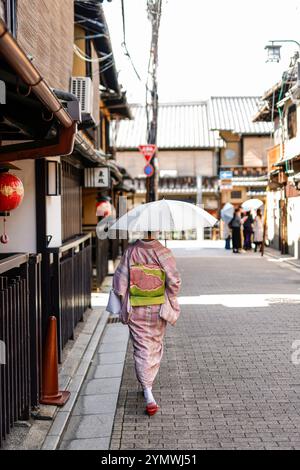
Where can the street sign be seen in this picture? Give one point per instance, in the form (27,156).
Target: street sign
(226,175)
(148,170)
(148,151)
(97,177)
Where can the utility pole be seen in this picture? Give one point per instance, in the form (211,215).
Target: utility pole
(154,14)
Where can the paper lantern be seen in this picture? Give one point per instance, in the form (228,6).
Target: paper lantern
(11,192)
(103,209)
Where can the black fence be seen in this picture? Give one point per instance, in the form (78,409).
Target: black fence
(66,280)
(15,396)
(70,272)
(114,248)
(102,257)
(35,324)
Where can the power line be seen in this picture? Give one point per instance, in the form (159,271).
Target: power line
(80,53)
(124,45)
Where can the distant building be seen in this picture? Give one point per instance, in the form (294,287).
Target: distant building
(280,106)
(243,158)
(209,152)
(61,98)
(188,153)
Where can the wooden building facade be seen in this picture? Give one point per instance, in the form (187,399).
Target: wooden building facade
(49,137)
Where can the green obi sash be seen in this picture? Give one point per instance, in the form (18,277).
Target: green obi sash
(147,285)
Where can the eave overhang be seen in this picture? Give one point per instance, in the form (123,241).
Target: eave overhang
(32,114)
(94,22)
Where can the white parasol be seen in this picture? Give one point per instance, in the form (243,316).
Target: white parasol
(164,216)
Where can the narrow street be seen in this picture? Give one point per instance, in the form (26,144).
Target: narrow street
(227,378)
(106,140)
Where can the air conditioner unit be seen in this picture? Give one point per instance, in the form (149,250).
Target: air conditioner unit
(82,87)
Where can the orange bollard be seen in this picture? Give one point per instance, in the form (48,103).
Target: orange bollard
(50,393)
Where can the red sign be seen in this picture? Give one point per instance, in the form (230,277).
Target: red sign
(148,151)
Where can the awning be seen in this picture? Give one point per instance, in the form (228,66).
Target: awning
(90,16)
(125,187)
(32,114)
(84,148)
(117,105)
(275,94)
(96,157)
(286,160)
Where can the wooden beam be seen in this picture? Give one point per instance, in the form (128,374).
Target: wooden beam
(62,146)
(230,136)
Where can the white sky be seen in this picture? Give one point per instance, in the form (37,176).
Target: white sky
(207,47)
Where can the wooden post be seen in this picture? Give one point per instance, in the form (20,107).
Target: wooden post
(265,226)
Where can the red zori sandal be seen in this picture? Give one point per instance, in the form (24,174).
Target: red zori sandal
(151,409)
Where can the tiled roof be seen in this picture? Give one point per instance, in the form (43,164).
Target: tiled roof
(180,126)
(236,113)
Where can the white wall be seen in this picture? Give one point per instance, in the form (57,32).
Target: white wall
(255,151)
(53,217)
(273,198)
(293,223)
(21,225)
(291,146)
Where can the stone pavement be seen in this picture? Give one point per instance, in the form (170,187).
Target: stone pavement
(91,422)
(227,380)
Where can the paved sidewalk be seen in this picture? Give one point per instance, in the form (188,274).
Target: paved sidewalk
(44,432)
(91,422)
(226,379)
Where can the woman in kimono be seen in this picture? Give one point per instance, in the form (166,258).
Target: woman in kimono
(148,283)
(258,228)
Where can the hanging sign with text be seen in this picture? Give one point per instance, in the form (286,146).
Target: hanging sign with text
(97,177)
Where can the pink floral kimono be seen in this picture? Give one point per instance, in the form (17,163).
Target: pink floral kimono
(147,323)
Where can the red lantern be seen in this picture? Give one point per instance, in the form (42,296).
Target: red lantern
(103,209)
(11,192)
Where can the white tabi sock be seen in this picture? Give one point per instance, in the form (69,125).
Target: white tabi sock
(148,396)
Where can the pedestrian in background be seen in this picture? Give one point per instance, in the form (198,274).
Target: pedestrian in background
(248,230)
(235,225)
(258,228)
(227,235)
(148,283)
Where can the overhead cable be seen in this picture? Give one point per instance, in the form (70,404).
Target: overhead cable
(124,45)
(86,58)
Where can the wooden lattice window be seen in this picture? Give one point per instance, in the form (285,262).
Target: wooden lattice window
(71,201)
(236,194)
